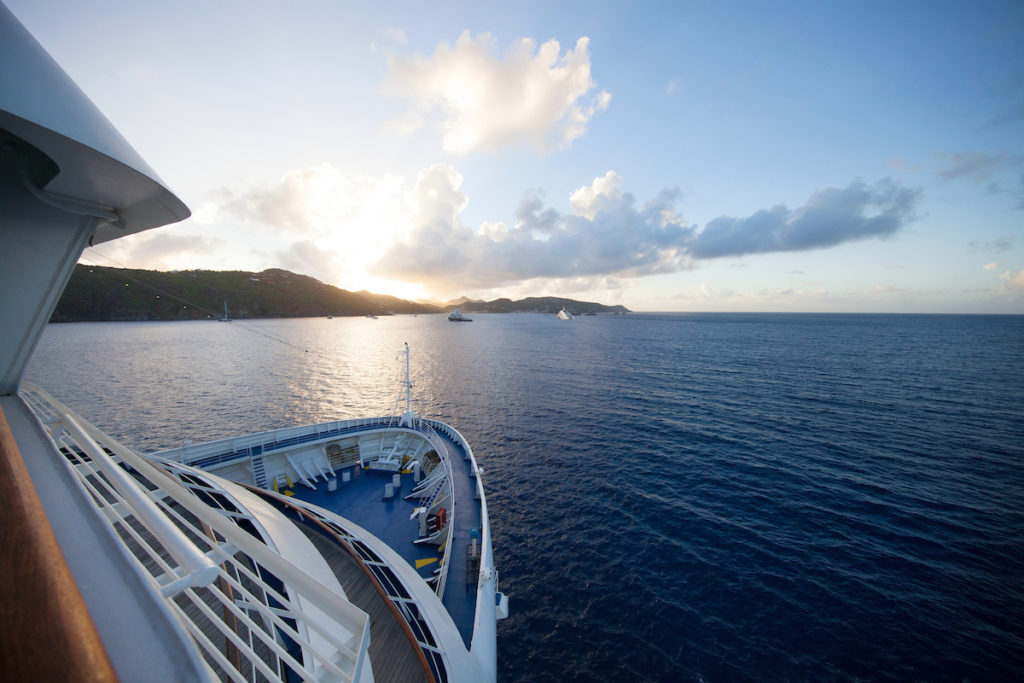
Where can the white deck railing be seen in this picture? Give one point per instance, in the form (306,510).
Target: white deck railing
(225,450)
(410,608)
(273,441)
(239,600)
(424,427)
(484,622)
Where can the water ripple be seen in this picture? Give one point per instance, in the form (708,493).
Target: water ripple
(712,497)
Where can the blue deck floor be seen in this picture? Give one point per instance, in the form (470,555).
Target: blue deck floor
(361,501)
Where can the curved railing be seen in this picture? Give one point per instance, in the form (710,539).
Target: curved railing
(484,622)
(232,593)
(269,442)
(425,427)
(406,606)
(227,450)
(56,638)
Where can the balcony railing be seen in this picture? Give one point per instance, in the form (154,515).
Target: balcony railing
(253,614)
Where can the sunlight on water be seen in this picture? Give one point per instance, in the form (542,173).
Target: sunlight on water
(676,497)
(205,380)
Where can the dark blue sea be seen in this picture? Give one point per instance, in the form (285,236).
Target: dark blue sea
(705,497)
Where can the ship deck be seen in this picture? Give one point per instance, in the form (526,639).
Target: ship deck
(390,654)
(361,500)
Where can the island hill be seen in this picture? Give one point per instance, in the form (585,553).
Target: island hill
(95,293)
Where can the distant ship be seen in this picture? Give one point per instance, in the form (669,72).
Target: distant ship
(228,560)
(457,317)
(564,314)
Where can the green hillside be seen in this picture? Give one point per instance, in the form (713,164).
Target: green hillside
(97,293)
(537,304)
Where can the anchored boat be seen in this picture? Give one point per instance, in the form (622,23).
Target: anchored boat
(354,550)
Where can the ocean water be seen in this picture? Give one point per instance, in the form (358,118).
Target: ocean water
(706,497)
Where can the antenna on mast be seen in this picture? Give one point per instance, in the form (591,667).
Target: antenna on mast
(408,417)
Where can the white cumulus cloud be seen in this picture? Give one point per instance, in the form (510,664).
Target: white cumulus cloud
(587,200)
(481,100)
(607,235)
(1013,280)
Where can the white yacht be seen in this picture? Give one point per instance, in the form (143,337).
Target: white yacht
(354,550)
(457,317)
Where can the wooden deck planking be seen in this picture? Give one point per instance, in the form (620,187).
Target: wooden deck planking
(391,654)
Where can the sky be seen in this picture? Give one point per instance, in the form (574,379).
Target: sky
(676,156)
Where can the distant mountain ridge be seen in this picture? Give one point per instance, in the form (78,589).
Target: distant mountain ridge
(97,293)
(535,304)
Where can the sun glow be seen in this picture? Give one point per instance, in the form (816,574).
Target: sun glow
(403,290)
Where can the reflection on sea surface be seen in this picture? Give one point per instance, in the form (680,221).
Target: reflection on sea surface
(672,497)
(164,382)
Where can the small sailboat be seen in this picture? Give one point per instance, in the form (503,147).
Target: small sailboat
(225,319)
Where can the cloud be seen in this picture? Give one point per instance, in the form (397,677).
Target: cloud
(355,230)
(309,258)
(974,165)
(1013,280)
(395,35)
(390,35)
(608,287)
(991,266)
(587,200)
(169,246)
(482,101)
(1000,244)
(309,200)
(716,296)
(348,218)
(992,170)
(829,217)
(609,234)
(159,251)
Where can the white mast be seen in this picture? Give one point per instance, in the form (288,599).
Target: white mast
(408,417)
